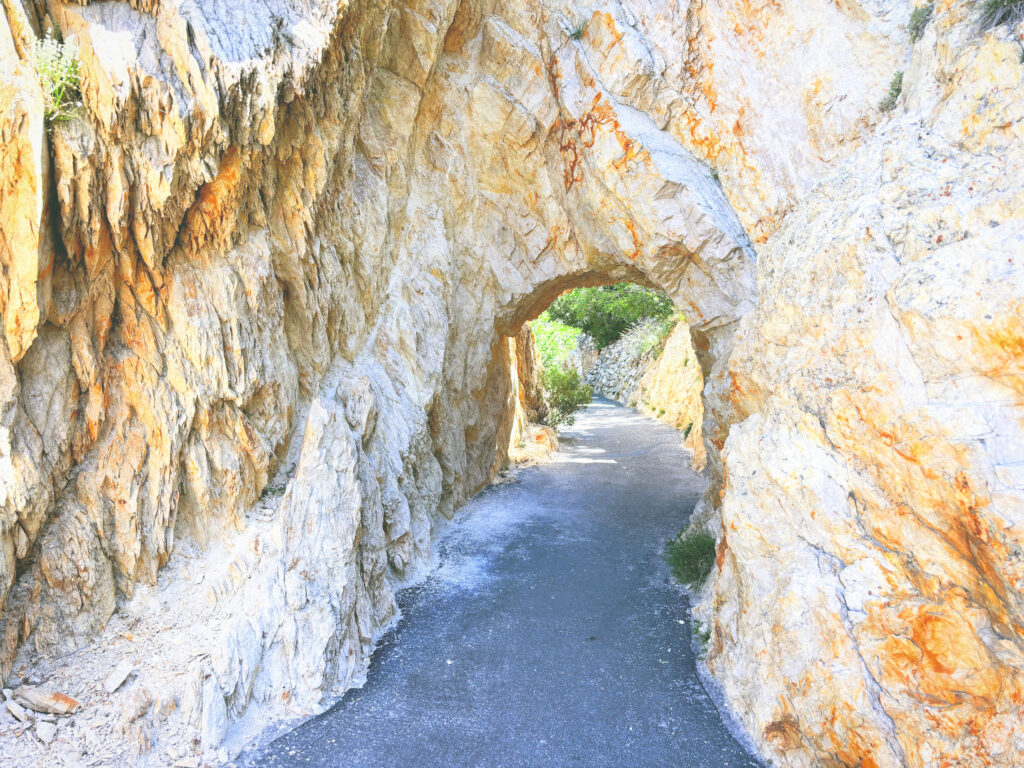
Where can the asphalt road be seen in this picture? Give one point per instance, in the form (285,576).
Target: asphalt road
(549,635)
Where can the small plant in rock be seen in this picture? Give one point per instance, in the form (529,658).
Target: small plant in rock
(691,558)
(686,432)
(652,334)
(703,637)
(919,19)
(57,66)
(564,395)
(895,88)
(996,12)
(577,31)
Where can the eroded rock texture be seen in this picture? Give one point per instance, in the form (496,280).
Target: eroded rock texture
(284,245)
(874,470)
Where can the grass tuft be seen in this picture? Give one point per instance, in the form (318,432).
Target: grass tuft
(919,19)
(996,12)
(703,637)
(57,66)
(691,558)
(650,334)
(895,88)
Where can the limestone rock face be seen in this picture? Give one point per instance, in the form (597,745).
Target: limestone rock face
(868,599)
(257,300)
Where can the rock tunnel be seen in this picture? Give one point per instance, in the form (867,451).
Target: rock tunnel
(255,298)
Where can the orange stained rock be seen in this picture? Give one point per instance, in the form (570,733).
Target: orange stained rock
(1000,346)
(603,19)
(910,462)
(700,138)
(212,215)
(751,18)
(630,151)
(573,134)
(631,227)
(783,734)
(948,644)
(212,194)
(720,550)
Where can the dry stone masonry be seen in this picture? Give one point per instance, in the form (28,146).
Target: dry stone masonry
(659,376)
(257,297)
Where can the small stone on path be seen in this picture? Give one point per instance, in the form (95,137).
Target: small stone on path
(42,700)
(46,732)
(16,710)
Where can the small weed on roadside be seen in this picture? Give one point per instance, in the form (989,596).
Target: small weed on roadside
(691,558)
(564,394)
(703,637)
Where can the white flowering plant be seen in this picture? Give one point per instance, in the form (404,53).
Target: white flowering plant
(57,66)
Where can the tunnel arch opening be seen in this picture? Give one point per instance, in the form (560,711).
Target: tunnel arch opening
(712,308)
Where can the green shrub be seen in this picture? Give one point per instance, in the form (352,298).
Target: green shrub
(691,558)
(996,12)
(919,19)
(895,88)
(555,340)
(607,312)
(564,394)
(57,66)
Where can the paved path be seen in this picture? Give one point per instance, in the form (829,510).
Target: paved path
(550,635)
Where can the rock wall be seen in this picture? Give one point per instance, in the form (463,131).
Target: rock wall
(871,524)
(660,377)
(256,304)
(617,371)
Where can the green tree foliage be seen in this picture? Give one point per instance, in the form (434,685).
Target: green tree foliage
(555,340)
(564,394)
(607,312)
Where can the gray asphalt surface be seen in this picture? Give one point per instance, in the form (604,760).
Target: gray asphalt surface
(550,634)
